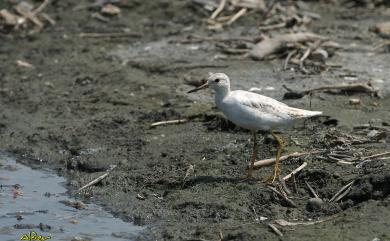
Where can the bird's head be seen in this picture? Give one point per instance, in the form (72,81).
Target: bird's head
(218,82)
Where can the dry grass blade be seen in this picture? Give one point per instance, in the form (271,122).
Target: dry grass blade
(342,192)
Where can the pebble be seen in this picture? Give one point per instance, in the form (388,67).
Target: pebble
(314,204)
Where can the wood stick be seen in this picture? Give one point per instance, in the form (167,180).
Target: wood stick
(341,191)
(217,11)
(285,198)
(295,187)
(376,155)
(302,60)
(275,229)
(283,186)
(288,58)
(295,171)
(93,182)
(237,16)
(311,190)
(270,161)
(283,222)
(272,27)
(170,122)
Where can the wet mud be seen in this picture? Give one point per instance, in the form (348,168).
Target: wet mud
(88,103)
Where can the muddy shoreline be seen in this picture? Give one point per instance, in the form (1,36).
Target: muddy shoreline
(88,103)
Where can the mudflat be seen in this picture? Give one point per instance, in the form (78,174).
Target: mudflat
(86,102)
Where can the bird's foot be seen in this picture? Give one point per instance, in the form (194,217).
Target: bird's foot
(275,175)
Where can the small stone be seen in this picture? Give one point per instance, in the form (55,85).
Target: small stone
(372,133)
(314,204)
(354,101)
(111,10)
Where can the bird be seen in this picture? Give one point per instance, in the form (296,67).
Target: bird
(254,112)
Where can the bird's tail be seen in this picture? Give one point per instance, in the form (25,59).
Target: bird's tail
(299,113)
(309,113)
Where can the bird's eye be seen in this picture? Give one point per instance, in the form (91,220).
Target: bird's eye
(216,80)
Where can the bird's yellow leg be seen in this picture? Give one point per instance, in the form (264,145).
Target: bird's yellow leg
(253,157)
(276,169)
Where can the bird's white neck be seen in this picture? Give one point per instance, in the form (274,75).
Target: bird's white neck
(221,93)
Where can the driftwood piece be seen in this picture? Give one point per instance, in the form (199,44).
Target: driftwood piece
(343,88)
(275,44)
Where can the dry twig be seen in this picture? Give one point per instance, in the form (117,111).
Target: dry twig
(342,192)
(312,190)
(270,161)
(283,222)
(93,182)
(295,171)
(284,197)
(170,122)
(275,229)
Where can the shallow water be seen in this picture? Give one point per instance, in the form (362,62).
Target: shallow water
(34,196)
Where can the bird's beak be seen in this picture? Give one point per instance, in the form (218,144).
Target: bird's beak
(204,86)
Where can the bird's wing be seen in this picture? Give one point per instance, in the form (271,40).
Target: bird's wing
(269,106)
(262,104)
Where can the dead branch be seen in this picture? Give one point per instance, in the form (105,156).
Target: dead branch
(295,171)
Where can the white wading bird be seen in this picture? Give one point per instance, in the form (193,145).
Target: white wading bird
(254,112)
